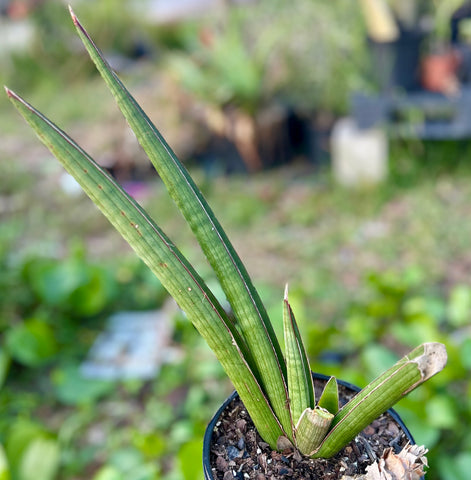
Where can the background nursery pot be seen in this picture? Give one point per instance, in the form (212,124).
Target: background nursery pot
(242,451)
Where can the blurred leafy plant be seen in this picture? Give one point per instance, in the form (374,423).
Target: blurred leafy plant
(47,299)
(53,42)
(209,73)
(396,312)
(275,54)
(319,51)
(30,452)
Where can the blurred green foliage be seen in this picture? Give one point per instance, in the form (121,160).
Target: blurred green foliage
(309,57)
(54,307)
(400,310)
(51,310)
(53,47)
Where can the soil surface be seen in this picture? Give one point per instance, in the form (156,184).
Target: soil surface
(238,451)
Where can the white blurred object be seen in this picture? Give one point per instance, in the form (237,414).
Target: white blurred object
(15,35)
(165,11)
(69,185)
(359,157)
(133,345)
(169,11)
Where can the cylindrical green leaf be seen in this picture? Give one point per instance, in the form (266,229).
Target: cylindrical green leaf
(381,394)
(165,260)
(253,322)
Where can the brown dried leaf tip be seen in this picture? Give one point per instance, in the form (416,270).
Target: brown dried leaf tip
(408,464)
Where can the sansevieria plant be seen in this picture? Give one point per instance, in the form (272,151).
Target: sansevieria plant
(276,388)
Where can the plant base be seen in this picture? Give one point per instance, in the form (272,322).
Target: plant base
(233,448)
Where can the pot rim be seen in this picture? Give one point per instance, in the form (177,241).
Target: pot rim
(210,428)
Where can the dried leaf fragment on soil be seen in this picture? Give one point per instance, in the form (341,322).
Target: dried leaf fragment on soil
(408,464)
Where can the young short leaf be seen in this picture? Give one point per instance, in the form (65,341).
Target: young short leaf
(300,385)
(329,399)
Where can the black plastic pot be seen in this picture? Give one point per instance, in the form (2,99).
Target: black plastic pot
(208,474)
(396,64)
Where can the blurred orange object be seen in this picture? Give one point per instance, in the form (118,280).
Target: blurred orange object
(438,72)
(18,9)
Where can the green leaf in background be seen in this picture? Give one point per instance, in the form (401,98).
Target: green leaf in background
(441,411)
(72,284)
(151,445)
(415,332)
(19,435)
(31,343)
(31,451)
(423,433)
(455,468)
(459,306)
(359,329)
(72,388)
(189,460)
(4,365)
(128,464)
(53,281)
(4,468)
(377,358)
(465,351)
(108,472)
(93,295)
(40,460)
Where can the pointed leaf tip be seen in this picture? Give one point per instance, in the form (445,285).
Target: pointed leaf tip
(12,95)
(286,293)
(74,17)
(16,98)
(72,14)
